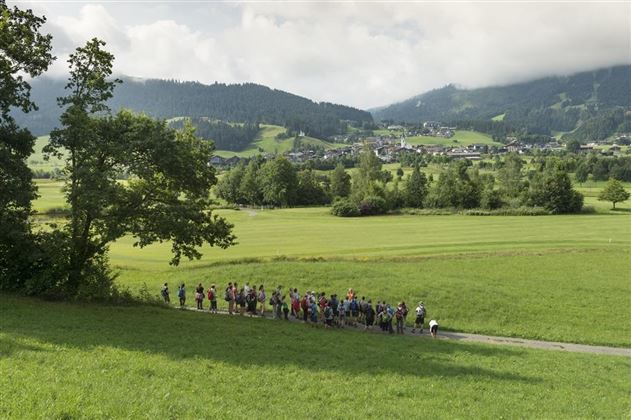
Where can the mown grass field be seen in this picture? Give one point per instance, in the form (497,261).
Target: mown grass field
(546,277)
(563,278)
(79,361)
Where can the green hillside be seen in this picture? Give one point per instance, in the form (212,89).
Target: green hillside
(594,102)
(247,102)
(90,361)
(266,142)
(460,138)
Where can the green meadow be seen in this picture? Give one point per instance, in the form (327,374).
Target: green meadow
(543,277)
(460,138)
(266,142)
(79,361)
(562,278)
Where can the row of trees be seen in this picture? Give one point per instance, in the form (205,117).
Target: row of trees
(279,183)
(165,199)
(371,190)
(461,186)
(602,168)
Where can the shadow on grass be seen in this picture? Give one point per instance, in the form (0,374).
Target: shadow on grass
(241,341)
(9,346)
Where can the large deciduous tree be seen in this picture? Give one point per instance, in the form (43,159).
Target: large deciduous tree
(552,190)
(23,51)
(166,197)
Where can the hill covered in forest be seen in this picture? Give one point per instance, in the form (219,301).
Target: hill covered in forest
(593,105)
(246,102)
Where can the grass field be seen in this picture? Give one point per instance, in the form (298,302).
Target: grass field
(562,278)
(545,277)
(460,138)
(37,161)
(71,361)
(267,142)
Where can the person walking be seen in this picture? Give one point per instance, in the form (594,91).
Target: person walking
(261,299)
(433,327)
(240,299)
(199,297)
(285,308)
(181,294)
(369,313)
(420,317)
(165,293)
(399,317)
(212,297)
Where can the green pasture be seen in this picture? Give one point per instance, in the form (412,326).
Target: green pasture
(37,161)
(548,277)
(460,138)
(81,361)
(267,142)
(545,277)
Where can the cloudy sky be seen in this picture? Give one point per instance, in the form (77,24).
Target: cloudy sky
(364,54)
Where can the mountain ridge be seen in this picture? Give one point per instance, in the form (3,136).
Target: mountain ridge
(541,106)
(160,98)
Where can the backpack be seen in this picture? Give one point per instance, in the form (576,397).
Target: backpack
(164,292)
(180,293)
(211,295)
(353,305)
(226,295)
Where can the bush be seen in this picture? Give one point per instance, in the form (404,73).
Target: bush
(345,208)
(491,199)
(373,205)
(507,211)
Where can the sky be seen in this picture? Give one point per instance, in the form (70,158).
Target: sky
(364,54)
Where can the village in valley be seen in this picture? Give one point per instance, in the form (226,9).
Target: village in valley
(391,141)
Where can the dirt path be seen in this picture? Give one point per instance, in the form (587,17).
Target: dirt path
(489,339)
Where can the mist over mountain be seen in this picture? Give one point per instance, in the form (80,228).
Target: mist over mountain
(542,106)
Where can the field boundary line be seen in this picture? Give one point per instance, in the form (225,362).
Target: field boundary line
(403,258)
(468,337)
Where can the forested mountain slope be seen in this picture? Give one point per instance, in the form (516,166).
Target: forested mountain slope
(238,102)
(541,106)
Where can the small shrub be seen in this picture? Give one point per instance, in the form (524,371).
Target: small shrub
(345,208)
(373,205)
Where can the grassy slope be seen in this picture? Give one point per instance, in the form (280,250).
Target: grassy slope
(37,161)
(463,137)
(479,273)
(266,140)
(61,360)
(497,275)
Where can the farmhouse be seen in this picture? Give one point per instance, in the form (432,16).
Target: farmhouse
(463,154)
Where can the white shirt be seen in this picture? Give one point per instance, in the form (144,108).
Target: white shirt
(432,323)
(419,310)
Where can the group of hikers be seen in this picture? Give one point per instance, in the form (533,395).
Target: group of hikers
(311,307)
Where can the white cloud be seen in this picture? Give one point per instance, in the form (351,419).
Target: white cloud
(362,54)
